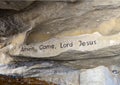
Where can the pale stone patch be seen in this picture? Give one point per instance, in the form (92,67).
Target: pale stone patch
(98,76)
(56,46)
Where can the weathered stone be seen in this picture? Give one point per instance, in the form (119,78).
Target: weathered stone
(14,5)
(48,71)
(61,19)
(10,25)
(70,36)
(60,22)
(98,76)
(20,81)
(53,72)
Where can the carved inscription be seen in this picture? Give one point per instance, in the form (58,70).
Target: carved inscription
(60,45)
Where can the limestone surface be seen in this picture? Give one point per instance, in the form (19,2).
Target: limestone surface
(60,41)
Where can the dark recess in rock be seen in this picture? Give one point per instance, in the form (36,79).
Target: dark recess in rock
(9,25)
(15,4)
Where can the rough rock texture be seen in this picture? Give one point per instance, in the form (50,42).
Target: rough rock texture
(14,5)
(10,25)
(98,76)
(53,72)
(60,19)
(69,36)
(22,81)
(21,5)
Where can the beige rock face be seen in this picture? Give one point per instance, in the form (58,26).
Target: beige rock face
(53,40)
(59,22)
(59,19)
(50,25)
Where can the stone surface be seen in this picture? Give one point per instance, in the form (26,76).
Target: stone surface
(97,76)
(62,22)
(10,25)
(48,71)
(15,5)
(55,40)
(61,75)
(61,19)
(83,43)
(20,81)
(21,5)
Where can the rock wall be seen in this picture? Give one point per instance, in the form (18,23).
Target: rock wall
(51,30)
(70,34)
